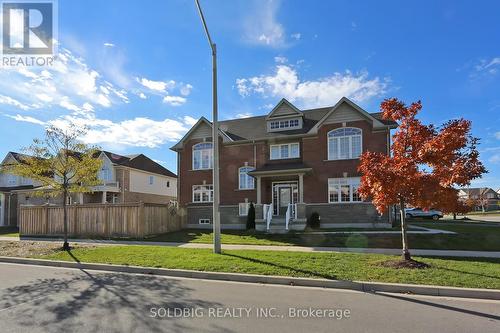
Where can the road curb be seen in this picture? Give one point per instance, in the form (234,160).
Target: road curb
(492,294)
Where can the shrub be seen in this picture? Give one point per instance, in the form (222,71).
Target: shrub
(314,220)
(251,217)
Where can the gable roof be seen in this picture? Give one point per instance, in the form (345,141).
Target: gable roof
(139,162)
(255,128)
(293,110)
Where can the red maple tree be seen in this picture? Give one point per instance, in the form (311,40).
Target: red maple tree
(425,164)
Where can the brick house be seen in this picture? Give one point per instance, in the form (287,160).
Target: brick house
(125,179)
(290,163)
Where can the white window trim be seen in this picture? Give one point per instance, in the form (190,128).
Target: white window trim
(204,221)
(280,124)
(243,204)
(350,157)
(201,196)
(239,179)
(289,151)
(211,161)
(351,181)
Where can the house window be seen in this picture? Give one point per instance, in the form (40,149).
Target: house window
(284,124)
(168,183)
(11,179)
(343,190)
(203,193)
(246,182)
(287,150)
(151,180)
(344,143)
(105,173)
(243,208)
(202,156)
(204,221)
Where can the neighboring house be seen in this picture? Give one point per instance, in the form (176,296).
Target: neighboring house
(300,161)
(484,198)
(125,179)
(9,185)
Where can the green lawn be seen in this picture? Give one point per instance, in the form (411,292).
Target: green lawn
(470,237)
(9,232)
(473,273)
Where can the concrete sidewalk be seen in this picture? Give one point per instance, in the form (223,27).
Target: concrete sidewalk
(416,252)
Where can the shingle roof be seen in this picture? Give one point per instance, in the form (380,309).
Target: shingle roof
(255,127)
(140,162)
(281,166)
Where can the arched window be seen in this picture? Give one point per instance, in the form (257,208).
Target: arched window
(246,181)
(202,156)
(344,143)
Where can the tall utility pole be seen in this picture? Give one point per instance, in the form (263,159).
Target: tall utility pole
(215,138)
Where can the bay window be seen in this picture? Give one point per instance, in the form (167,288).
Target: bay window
(203,193)
(343,190)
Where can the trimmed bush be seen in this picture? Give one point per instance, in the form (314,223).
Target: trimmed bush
(251,217)
(314,220)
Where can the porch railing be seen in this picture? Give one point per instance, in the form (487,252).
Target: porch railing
(291,212)
(268,214)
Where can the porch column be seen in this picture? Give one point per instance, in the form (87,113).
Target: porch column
(104,197)
(259,196)
(301,188)
(80,198)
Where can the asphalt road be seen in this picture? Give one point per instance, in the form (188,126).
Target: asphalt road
(44,299)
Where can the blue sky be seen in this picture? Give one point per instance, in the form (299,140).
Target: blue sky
(138,73)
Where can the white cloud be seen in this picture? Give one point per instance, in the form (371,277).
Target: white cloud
(174,100)
(244,115)
(296,36)
(11,101)
(142,96)
(262,27)
(69,81)
(190,120)
(26,119)
(280,60)
(160,86)
(137,132)
(285,82)
(186,89)
(490,66)
(495,159)
(497,135)
(109,45)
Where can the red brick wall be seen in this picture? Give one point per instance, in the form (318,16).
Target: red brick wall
(313,153)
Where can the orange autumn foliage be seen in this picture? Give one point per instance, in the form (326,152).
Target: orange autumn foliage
(426,162)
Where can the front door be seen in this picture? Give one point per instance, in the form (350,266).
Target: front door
(284,193)
(285,197)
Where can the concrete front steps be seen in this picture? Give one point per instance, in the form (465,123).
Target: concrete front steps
(278,225)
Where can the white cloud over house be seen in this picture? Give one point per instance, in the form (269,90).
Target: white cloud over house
(285,82)
(262,27)
(72,92)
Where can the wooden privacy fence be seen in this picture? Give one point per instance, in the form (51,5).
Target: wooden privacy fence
(101,220)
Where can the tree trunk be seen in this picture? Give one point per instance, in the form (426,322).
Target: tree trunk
(406,253)
(454,216)
(65,220)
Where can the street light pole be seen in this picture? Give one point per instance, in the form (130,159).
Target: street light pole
(215,138)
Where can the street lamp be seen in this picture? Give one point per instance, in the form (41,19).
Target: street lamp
(215,138)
